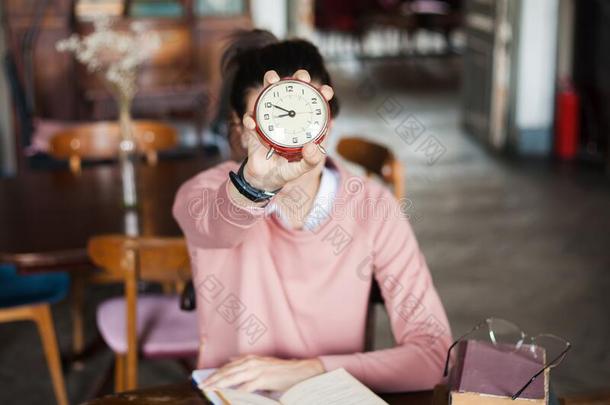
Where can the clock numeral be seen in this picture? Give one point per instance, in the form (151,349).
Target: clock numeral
(316,123)
(270,127)
(303,91)
(318,111)
(308,134)
(295,140)
(276,94)
(268,104)
(289,88)
(266,116)
(314,100)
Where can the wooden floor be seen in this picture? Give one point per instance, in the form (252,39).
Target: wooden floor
(524,241)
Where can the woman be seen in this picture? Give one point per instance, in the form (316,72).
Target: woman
(283,285)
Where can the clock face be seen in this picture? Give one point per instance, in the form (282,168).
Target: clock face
(291,113)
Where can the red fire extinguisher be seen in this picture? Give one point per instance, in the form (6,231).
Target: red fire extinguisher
(567,121)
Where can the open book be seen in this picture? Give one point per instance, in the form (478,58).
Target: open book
(334,387)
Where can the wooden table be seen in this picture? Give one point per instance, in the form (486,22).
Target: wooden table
(184,394)
(46,217)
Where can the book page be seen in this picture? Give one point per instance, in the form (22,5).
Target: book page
(334,387)
(227,396)
(199,376)
(230,396)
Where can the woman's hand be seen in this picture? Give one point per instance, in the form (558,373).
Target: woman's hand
(271,174)
(251,373)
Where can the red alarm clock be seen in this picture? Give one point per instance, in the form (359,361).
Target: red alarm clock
(290,113)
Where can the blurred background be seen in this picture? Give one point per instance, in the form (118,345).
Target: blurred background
(497,113)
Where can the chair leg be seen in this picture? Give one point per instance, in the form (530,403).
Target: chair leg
(131,371)
(44,321)
(152,158)
(75,164)
(76,309)
(119,372)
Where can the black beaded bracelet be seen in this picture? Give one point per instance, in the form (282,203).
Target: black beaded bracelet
(251,193)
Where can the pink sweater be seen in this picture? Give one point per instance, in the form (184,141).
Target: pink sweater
(264,289)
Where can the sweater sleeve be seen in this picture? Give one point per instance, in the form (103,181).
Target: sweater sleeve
(208,216)
(419,324)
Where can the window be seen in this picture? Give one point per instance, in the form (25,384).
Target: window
(219,7)
(156,8)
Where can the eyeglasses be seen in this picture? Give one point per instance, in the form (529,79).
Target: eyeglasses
(505,335)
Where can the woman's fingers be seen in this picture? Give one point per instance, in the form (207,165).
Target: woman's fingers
(227,370)
(252,385)
(248,121)
(312,156)
(282,171)
(237,378)
(263,373)
(270,77)
(327,92)
(325,89)
(253,142)
(302,74)
(238,371)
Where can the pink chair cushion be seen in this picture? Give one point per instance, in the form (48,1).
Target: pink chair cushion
(164,330)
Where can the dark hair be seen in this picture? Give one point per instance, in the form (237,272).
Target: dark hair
(251,53)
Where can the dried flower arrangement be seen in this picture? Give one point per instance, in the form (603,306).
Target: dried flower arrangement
(116,56)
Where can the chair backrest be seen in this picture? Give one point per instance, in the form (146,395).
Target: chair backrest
(100,140)
(375,159)
(379,160)
(148,258)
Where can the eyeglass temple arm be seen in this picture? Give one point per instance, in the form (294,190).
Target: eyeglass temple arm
(448,357)
(446,370)
(518,393)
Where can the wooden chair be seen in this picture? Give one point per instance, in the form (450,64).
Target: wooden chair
(29,298)
(153,324)
(100,140)
(376,160)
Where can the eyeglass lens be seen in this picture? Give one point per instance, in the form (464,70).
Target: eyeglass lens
(504,334)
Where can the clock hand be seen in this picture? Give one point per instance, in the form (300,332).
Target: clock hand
(290,113)
(283,109)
